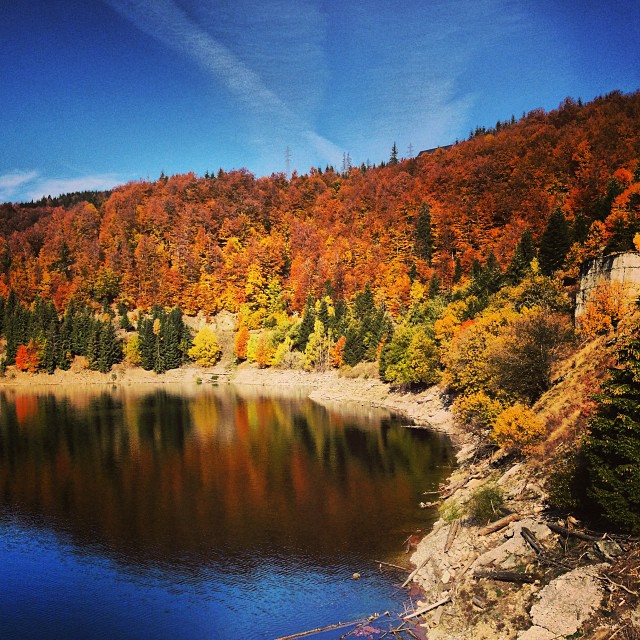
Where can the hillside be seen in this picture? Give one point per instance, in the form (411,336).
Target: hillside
(220,242)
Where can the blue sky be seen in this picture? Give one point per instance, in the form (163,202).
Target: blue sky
(97,93)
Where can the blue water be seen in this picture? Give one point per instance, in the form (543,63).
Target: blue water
(202,514)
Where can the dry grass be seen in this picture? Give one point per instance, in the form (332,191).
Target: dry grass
(566,407)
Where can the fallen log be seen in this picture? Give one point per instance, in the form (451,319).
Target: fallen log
(506,576)
(572,532)
(451,536)
(500,524)
(530,539)
(430,607)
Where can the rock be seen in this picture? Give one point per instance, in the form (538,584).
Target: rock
(608,549)
(567,602)
(510,563)
(446,577)
(516,545)
(509,474)
(536,633)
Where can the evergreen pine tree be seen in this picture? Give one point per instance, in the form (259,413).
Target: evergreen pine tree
(147,343)
(51,348)
(109,349)
(434,286)
(66,328)
(93,343)
(171,337)
(393,160)
(523,256)
(457,271)
(580,228)
(323,314)
(124,323)
(424,234)
(612,449)
(554,243)
(307,324)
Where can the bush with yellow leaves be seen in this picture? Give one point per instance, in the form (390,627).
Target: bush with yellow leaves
(517,429)
(476,412)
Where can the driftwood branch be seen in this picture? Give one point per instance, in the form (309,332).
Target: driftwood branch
(392,566)
(337,625)
(430,607)
(608,580)
(506,576)
(414,573)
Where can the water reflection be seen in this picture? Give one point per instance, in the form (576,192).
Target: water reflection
(162,474)
(217,489)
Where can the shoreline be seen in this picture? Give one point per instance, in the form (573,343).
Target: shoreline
(428,408)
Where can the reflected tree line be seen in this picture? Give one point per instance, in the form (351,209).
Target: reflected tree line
(215,475)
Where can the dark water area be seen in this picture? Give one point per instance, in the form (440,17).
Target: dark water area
(202,512)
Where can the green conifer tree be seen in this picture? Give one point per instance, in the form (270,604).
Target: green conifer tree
(51,354)
(457,271)
(308,321)
(612,448)
(523,256)
(109,348)
(147,343)
(554,243)
(424,234)
(393,159)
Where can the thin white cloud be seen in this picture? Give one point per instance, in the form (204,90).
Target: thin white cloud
(57,186)
(24,186)
(11,183)
(167,22)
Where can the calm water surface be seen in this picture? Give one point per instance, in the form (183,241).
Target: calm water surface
(201,512)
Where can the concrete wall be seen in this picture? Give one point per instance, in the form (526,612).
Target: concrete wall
(617,267)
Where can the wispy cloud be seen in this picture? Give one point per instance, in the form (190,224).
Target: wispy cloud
(169,23)
(53,187)
(23,186)
(12,183)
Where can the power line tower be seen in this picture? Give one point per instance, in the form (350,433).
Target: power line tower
(287,160)
(410,151)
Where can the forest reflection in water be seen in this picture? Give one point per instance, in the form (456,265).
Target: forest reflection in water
(231,478)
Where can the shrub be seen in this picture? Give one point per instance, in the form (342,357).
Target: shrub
(520,359)
(485,504)
(205,350)
(517,429)
(606,307)
(476,412)
(410,358)
(451,510)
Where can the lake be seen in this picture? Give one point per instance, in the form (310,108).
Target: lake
(202,512)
